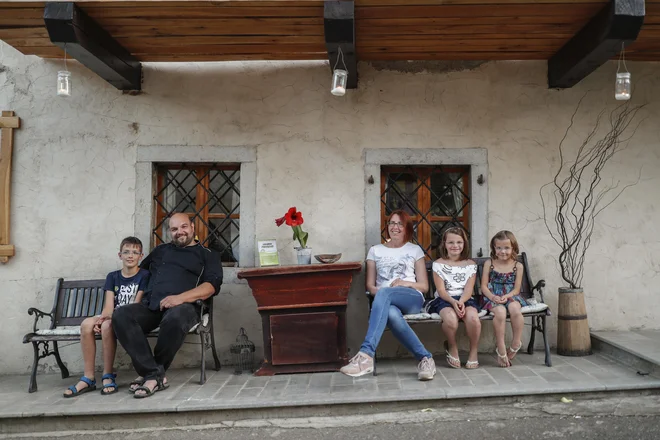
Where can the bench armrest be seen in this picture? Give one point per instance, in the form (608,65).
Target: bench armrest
(203,309)
(371,300)
(39,314)
(539,287)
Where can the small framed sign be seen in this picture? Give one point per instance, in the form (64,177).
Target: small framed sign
(268,255)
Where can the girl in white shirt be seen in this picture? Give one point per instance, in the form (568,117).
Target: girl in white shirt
(454,275)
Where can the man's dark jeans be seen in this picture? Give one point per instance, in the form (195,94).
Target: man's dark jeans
(133,321)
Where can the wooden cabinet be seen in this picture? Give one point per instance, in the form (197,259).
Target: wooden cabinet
(303,312)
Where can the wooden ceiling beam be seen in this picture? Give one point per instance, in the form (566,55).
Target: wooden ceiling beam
(602,38)
(339,29)
(70,28)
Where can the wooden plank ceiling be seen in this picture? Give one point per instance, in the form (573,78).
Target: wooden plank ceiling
(162,30)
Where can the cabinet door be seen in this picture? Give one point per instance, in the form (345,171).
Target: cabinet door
(304,338)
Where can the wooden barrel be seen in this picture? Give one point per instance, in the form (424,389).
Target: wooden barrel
(573,338)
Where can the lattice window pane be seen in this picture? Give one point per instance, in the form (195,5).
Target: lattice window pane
(447,194)
(210,195)
(401,192)
(224,187)
(180,191)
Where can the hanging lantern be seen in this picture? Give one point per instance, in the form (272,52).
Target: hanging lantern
(339,76)
(63,83)
(64,79)
(622,86)
(242,352)
(622,90)
(339,79)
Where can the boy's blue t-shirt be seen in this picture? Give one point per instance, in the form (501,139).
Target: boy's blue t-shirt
(126,289)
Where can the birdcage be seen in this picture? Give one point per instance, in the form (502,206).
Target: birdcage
(242,352)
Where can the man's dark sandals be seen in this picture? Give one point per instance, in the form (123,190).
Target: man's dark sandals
(91,386)
(160,386)
(112,384)
(138,382)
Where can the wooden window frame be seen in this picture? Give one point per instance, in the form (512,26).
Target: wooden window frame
(201,216)
(423,226)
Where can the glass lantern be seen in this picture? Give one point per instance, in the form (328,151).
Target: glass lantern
(63,83)
(339,79)
(622,86)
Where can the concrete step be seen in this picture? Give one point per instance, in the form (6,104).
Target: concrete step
(639,350)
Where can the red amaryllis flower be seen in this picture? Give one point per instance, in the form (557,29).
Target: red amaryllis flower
(293,217)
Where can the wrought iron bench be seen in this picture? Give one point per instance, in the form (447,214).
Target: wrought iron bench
(537,312)
(77,300)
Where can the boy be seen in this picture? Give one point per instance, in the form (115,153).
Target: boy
(122,287)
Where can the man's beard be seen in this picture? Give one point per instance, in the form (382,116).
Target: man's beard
(179,243)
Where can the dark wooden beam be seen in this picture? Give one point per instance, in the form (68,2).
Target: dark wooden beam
(339,27)
(87,42)
(597,42)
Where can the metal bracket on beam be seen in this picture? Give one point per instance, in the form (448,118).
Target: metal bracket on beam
(70,28)
(597,42)
(339,27)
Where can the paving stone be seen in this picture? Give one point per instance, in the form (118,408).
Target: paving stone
(453,373)
(522,371)
(482,381)
(257,382)
(228,392)
(460,383)
(389,386)
(280,378)
(249,392)
(343,389)
(554,377)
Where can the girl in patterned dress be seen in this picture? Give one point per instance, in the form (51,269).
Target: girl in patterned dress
(500,286)
(454,275)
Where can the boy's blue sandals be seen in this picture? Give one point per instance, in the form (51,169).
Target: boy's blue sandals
(91,386)
(106,391)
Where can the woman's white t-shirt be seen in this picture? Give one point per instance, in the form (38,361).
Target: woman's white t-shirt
(455,277)
(393,263)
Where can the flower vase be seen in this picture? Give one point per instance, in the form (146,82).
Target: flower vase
(304,255)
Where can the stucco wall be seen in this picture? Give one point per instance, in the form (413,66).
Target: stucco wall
(74,174)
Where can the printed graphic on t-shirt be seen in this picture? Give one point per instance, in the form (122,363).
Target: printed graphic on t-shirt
(125,294)
(390,268)
(126,289)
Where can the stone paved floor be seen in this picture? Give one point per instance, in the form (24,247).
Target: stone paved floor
(397,381)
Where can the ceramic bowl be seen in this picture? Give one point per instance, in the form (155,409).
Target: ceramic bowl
(327,258)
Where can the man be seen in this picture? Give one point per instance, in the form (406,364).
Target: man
(182,272)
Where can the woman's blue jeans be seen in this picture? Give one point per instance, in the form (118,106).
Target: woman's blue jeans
(389,306)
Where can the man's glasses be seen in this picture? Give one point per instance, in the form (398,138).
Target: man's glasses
(127,253)
(399,224)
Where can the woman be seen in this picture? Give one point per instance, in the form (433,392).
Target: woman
(396,276)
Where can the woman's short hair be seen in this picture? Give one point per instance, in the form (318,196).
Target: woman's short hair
(505,235)
(407,224)
(465,254)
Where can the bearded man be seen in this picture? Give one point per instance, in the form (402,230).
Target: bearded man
(182,272)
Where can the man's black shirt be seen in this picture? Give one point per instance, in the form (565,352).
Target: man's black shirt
(175,270)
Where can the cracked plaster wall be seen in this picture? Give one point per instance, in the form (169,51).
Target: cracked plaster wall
(74,173)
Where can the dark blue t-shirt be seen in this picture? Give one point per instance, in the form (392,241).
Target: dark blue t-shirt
(126,289)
